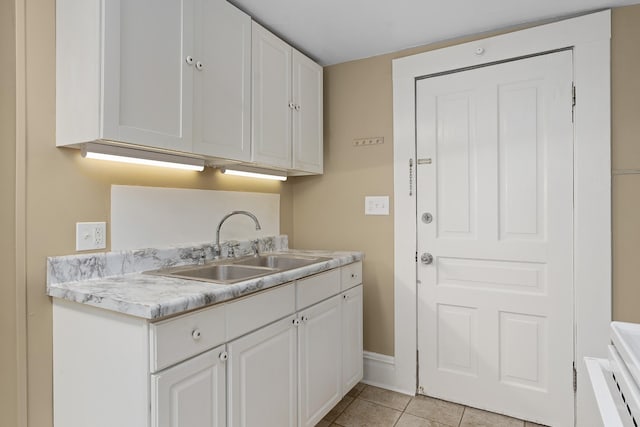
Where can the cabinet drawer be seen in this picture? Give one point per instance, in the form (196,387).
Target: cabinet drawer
(179,338)
(351,275)
(317,288)
(260,309)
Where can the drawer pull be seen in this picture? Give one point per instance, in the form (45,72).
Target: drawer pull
(196,334)
(224,356)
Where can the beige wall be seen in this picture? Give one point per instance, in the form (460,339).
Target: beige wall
(8,348)
(62,189)
(328,210)
(317,212)
(625,85)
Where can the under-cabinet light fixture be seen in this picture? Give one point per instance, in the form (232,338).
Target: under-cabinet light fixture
(140,157)
(251,174)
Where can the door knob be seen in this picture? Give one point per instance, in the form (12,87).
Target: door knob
(427,218)
(426,258)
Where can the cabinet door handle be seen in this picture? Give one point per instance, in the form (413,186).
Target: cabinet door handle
(304,319)
(292,105)
(189,60)
(297,107)
(196,334)
(199,65)
(345,296)
(223,356)
(296,322)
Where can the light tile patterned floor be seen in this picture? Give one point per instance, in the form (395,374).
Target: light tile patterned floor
(370,406)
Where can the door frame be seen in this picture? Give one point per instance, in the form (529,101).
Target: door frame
(589,38)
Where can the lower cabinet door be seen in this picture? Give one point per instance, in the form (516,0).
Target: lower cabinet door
(320,360)
(351,338)
(192,393)
(262,377)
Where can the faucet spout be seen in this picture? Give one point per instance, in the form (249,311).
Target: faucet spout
(216,248)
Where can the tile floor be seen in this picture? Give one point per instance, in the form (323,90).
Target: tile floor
(370,406)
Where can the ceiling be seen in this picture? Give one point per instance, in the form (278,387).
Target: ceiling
(335,31)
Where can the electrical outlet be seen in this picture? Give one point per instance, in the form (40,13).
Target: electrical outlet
(376,205)
(91,236)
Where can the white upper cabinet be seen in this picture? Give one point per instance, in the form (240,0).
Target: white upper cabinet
(307,115)
(191,76)
(148,85)
(222,113)
(286,105)
(173,74)
(271,113)
(121,73)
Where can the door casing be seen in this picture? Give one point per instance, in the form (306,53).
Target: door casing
(589,38)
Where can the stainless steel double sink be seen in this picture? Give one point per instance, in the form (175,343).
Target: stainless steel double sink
(229,271)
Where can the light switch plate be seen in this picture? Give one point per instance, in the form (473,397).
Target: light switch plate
(376,205)
(91,236)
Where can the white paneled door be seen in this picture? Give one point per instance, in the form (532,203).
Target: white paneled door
(495,305)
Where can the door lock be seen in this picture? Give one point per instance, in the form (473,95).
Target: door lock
(426,258)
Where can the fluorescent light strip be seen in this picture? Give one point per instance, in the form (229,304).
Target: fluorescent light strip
(253,174)
(133,160)
(140,157)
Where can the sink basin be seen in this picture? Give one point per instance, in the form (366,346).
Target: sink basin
(233,270)
(280,261)
(218,273)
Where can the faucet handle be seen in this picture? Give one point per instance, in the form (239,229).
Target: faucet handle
(199,255)
(232,245)
(217,251)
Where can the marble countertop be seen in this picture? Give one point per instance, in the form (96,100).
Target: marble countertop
(92,280)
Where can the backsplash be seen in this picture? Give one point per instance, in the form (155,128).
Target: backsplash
(152,217)
(72,268)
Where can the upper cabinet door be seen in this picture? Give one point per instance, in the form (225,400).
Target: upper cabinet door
(272,100)
(307,114)
(148,72)
(222,120)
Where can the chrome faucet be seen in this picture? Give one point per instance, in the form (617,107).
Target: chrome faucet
(216,249)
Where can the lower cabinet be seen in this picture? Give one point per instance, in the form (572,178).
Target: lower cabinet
(192,393)
(262,377)
(352,367)
(294,371)
(319,360)
(266,360)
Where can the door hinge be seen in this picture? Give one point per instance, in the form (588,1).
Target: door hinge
(410,177)
(419,388)
(575,378)
(416,256)
(573,101)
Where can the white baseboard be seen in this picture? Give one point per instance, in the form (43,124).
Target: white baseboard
(380,371)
